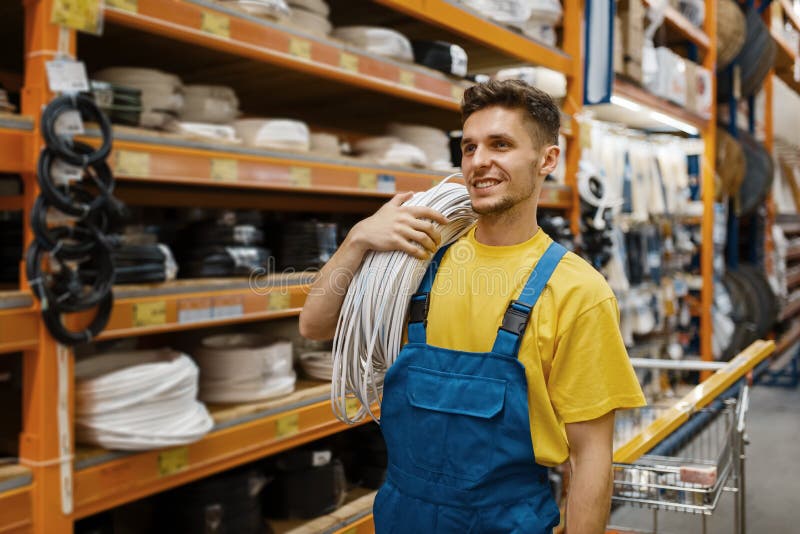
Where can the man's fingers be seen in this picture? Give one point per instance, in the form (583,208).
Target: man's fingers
(428,228)
(419,237)
(411,249)
(423,212)
(400,198)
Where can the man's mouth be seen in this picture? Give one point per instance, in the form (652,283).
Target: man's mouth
(485,183)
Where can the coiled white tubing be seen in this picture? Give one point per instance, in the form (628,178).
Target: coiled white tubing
(370,327)
(139,400)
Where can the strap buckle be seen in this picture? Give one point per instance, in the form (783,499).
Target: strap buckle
(515,320)
(418,309)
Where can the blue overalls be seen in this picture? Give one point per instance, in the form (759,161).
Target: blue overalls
(457,430)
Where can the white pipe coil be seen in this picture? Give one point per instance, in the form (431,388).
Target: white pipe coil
(380,41)
(370,327)
(320,7)
(244,368)
(317,364)
(139,400)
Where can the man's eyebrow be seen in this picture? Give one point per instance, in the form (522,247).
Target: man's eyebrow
(466,140)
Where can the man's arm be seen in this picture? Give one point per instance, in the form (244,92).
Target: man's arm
(393,227)
(590,485)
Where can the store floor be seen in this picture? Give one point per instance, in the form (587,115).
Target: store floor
(773,472)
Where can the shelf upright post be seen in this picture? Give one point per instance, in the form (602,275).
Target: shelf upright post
(769,144)
(46,443)
(709,134)
(574,46)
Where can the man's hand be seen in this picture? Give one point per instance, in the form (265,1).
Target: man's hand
(393,227)
(398,227)
(590,457)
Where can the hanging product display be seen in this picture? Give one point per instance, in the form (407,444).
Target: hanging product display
(276,134)
(731,33)
(304,484)
(387,150)
(380,41)
(81,269)
(759,173)
(138,400)
(755,60)
(228,502)
(434,142)
(244,368)
(439,55)
(161,93)
(370,327)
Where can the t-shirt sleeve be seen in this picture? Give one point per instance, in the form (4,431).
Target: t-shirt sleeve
(591,372)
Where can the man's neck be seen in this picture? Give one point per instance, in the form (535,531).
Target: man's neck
(506,229)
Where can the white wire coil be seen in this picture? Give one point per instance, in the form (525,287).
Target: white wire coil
(244,368)
(317,364)
(370,328)
(139,400)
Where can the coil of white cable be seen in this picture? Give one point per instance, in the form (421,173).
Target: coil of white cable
(138,400)
(280,134)
(320,7)
(268,9)
(387,150)
(325,144)
(244,368)
(433,141)
(313,23)
(317,364)
(210,104)
(511,12)
(551,82)
(214,132)
(370,328)
(380,41)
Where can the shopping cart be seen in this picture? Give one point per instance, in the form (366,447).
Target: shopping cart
(690,470)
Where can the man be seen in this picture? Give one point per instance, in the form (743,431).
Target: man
(514,359)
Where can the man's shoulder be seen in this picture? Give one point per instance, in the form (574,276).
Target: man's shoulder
(577,285)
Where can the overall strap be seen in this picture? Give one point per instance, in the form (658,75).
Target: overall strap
(515,320)
(420,301)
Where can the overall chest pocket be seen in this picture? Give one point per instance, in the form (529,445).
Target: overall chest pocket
(454,420)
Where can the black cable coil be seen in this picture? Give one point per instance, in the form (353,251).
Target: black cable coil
(79,254)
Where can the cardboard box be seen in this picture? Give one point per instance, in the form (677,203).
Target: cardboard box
(631,15)
(698,89)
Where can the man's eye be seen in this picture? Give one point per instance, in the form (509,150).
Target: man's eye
(501,144)
(469,148)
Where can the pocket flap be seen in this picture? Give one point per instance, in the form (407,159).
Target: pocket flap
(438,391)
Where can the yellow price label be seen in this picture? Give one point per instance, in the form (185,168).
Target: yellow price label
(287,426)
(353,530)
(407,78)
(351,407)
(300,176)
(81,15)
(300,48)
(173,460)
(457,92)
(279,301)
(216,24)
(130,163)
(126,5)
(368,180)
(149,313)
(224,170)
(348,62)
(585,134)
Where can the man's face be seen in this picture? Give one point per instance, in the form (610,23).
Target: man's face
(501,164)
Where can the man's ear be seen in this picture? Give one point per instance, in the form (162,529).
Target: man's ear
(550,160)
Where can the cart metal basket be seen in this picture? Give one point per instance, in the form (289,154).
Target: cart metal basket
(689,471)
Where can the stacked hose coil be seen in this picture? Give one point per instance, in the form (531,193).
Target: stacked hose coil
(139,400)
(370,328)
(244,368)
(76,186)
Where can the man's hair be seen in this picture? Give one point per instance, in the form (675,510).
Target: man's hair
(516,94)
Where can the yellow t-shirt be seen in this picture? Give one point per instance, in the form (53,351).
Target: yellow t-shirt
(575,360)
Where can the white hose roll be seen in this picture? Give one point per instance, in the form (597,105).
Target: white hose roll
(380,41)
(433,141)
(320,7)
(551,82)
(511,12)
(370,327)
(269,9)
(317,364)
(138,400)
(387,150)
(325,144)
(313,23)
(138,77)
(546,11)
(210,104)
(214,132)
(244,368)
(280,134)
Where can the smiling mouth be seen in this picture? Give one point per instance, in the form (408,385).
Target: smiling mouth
(485,183)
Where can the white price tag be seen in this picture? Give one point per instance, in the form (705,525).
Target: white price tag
(320,458)
(69,123)
(64,174)
(386,183)
(67,76)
